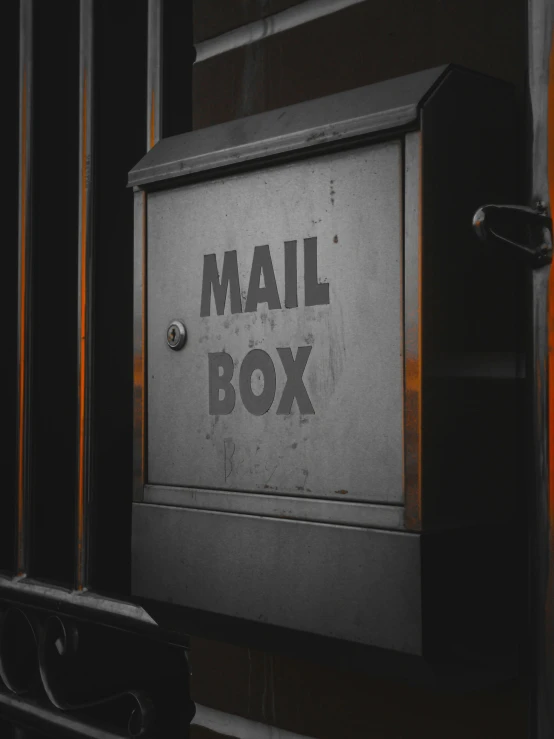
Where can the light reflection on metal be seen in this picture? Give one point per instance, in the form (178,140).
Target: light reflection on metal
(227,724)
(52,597)
(293,17)
(25,245)
(84,277)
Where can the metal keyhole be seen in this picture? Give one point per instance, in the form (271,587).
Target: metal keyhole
(176,335)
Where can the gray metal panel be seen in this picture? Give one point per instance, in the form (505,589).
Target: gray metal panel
(365,110)
(352,444)
(357,584)
(280,506)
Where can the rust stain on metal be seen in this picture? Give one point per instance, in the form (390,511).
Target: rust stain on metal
(315,136)
(412,425)
(413,390)
(22,318)
(341,492)
(139,366)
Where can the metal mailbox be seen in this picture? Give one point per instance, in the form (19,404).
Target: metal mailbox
(325,364)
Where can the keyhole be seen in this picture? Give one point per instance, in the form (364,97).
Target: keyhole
(176,335)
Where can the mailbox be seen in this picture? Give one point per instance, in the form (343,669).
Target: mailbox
(326,367)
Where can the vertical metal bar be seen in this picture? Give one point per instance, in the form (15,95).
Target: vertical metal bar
(542,703)
(541,89)
(84,302)
(155,71)
(153,134)
(24,296)
(139,353)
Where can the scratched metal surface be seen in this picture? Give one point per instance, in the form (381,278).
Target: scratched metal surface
(351,447)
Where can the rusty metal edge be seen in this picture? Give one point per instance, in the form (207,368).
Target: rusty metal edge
(413,246)
(24,281)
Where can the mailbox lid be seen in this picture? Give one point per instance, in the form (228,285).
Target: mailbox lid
(341,434)
(365,111)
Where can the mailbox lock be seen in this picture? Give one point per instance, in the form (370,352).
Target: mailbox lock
(176,335)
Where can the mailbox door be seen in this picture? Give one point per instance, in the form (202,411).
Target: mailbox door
(289,283)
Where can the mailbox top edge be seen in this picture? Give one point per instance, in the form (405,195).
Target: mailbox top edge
(363,111)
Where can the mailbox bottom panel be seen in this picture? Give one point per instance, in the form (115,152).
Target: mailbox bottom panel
(363,585)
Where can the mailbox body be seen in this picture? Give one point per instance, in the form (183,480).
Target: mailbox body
(314,456)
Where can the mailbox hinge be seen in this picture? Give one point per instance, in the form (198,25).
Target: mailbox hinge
(526,230)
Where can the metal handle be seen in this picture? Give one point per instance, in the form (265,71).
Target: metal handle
(532,225)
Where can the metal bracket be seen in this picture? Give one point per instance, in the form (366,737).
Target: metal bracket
(531,228)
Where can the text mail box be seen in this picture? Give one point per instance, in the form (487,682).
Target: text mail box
(324,365)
